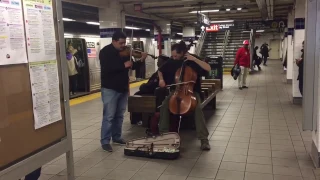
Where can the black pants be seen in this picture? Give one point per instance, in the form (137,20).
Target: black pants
(73,83)
(265,59)
(34,175)
(301,85)
(140,70)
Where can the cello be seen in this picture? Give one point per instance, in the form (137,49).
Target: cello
(183,101)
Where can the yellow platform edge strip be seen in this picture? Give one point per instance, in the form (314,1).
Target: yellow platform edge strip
(93,96)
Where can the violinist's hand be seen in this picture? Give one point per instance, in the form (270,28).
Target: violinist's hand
(162,84)
(189,57)
(128,64)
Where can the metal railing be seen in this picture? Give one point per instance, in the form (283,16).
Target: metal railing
(225,43)
(200,43)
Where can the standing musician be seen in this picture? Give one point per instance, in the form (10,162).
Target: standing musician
(114,90)
(167,77)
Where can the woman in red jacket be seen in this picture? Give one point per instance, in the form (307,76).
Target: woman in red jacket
(243,59)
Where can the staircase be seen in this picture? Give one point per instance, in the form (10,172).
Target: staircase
(213,44)
(225,44)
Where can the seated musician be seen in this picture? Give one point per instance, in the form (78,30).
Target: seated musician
(167,77)
(148,88)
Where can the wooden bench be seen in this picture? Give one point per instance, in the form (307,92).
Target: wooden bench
(147,105)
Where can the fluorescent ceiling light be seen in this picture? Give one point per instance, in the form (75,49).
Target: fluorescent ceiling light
(224,21)
(180,34)
(168,24)
(93,23)
(147,29)
(239,9)
(129,27)
(260,31)
(228,9)
(68,19)
(205,11)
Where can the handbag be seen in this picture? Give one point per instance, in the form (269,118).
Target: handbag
(235,71)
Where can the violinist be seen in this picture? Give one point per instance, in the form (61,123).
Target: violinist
(114,90)
(167,72)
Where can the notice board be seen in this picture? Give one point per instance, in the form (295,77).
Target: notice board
(19,137)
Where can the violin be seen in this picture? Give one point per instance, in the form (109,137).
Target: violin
(135,53)
(183,101)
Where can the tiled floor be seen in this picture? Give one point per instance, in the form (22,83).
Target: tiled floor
(255,135)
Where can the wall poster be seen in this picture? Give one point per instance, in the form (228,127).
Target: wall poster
(41,42)
(43,67)
(12,39)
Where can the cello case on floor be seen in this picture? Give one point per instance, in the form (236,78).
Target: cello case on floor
(163,146)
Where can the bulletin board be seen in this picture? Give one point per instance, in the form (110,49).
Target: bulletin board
(19,139)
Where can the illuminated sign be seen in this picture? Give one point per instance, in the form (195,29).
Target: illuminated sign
(203,20)
(219,27)
(213,28)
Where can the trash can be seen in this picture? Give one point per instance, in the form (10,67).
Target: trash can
(216,72)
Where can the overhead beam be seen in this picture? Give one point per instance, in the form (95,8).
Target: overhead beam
(263,8)
(270,7)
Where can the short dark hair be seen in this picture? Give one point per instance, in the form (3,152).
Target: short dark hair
(118,35)
(180,47)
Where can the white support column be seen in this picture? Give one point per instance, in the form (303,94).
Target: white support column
(165,34)
(290,46)
(311,93)
(189,33)
(111,19)
(299,36)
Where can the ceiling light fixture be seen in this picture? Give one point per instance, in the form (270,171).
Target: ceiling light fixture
(147,29)
(68,19)
(93,23)
(224,21)
(228,9)
(260,31)
(239,9)
(134,28)
(205,11)
(180,34)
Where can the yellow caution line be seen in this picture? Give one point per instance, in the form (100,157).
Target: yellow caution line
(93,96)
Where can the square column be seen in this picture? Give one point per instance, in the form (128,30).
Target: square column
(111,19)
(299,36)
(290,62)
(311,97)
(189,33)
(165,27)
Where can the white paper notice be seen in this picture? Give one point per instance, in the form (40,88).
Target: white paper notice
(12,40)
(41,40)
(45,92)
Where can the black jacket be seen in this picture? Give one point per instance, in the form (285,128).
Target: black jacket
(151,85)
(114,75)
(300,65)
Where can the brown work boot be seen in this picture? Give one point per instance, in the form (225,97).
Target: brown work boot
(205,146)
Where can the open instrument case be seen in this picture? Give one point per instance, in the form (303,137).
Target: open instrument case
(163,146)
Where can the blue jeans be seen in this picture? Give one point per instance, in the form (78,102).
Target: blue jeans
(114,107)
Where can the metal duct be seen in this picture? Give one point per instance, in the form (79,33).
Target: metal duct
(263,8)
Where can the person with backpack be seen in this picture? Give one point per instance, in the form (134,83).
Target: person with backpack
(243,60)
(257,59)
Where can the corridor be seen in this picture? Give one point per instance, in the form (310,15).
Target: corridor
(256,134)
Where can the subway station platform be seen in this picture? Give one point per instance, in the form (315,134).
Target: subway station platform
(255,134)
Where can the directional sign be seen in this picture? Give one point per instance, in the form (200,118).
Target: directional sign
(263,25)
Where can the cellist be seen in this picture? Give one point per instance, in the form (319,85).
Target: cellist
(167,72)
